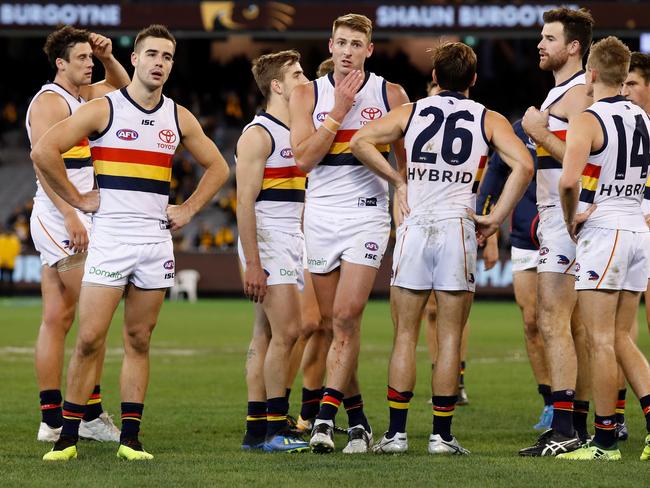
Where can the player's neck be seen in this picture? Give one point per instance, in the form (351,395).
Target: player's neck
(142,95)
(570,68)
(278,108)
(603,91)
(339,77)
(70,87)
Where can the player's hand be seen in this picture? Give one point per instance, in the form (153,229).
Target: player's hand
(89,202)
(401,202)
(102,46)
(491,252)
(573,228)
(534,121)
(255,283)
(485,225)
(344,94)
(178,216)
(76,232)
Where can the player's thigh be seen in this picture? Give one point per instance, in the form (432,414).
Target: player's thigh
(355,283)
(141,309)
(453,311)
(311,317)
(282,307)
(525,288)
(97,305)
(599,310)
(555,293)
(325,285)
(407,307)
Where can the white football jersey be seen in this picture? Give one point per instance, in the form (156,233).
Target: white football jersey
(446,152)
(341,180)
(548,168)
(280,202)
(615,176)
(133,166)
(78,164)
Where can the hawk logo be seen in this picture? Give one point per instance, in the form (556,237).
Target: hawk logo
(247,16)
(561,259)
(471,278)
(167,136)
(577,267)
(66,244)
(371,113)
(593,276)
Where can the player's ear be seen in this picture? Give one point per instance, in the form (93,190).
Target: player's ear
(134,58)
(473,80)
(371,48)
(276,87)
(433,77)
(60,63)
(330,44)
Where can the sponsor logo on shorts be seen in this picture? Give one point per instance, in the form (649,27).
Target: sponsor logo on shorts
(169,264)
(106,274)
(317,262)
(593,276)
(372,246)
(542,261)
(561,259)
(66,244)
(372,257)
(321,116)
(164,224)
(577,267)
(127,134)
(543,251)
(291,273)
(371,113)
(169,276)
(367,202)
(471,278)
(286,153)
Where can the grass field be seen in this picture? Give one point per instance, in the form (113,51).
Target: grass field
(196,405)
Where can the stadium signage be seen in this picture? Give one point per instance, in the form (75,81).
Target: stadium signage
(26,14)
(463,16)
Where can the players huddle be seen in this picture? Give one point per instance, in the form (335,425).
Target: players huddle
(310,252)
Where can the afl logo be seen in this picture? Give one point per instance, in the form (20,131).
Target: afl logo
(321,116)
(167,136)
(372,246)
(371,113)
(169,264)
(127,134)
(286,153)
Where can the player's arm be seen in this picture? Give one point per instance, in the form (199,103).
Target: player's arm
(494,179)
(535,123)
(207,155)
(582,135)
(49,109)
(396,98)
(386,130)
(308,144)
(115,75)
(253,149)
(90,118)
(513,152)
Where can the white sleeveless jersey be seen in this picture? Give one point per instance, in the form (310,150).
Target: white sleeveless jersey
(548,168)
(615,176)
(341,180)
(78,164)
(280,202)
(446,152)
(133,166)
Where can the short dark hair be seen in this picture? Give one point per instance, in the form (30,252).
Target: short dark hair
(455,66)
(269,67)
(611,59)
(59,42)
(154,30)
(578,25)
(640,62)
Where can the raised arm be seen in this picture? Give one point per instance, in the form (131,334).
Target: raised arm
(116,76)
(535,123)
(583,134)
(308,144)
(253,149)
(90,118)
(386,130)
(207,155)
(513,152)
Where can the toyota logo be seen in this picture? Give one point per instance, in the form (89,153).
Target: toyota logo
(371,113)
(167,136)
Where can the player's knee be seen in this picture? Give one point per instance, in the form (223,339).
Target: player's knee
(138,339)
(309,326)
(431,313)
(530,324)
(89,343)
(59,319)
(347,315)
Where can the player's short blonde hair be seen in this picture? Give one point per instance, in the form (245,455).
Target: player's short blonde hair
(269,67)
(610,58)
(325,67)
(356,22)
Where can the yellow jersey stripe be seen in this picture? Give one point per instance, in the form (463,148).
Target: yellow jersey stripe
(132,170)
(296,183)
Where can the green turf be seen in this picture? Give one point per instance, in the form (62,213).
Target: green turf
(195,408)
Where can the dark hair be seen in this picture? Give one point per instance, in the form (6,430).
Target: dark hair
(59,42)
(154,30)
(455,66)
(611,59)
(269,67)
(640,63)
(578,25)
